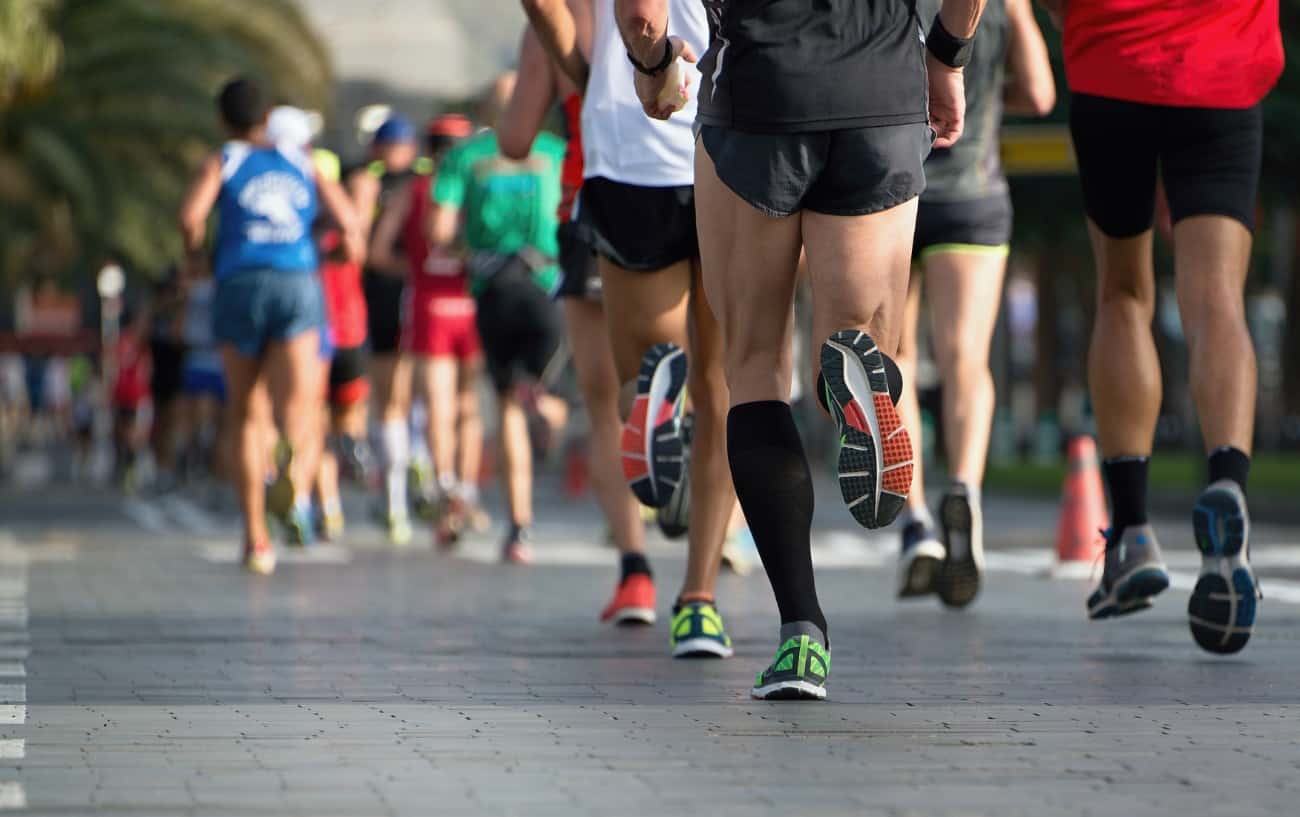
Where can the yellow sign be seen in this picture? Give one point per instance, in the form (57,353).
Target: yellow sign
(1037,150)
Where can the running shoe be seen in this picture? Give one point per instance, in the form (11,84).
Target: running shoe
(958,582)
(800,668)
(1134,573)
(517,549)
(450,519)
(281,493)
(920,559)
(633,602)
(674,518)
(331,526)
(875,459)
(259,559)
(398,527)
(698,632)
(1221,611)
(299,527)
(653,447)
(420,490)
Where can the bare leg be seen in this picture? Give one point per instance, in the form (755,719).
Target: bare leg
(1123,368)
(909,406)
(965,291)
(1211,258)
(440,395)
(594,362)
(469,421)
(712,497)
(249,470)
(293,381)
(516,460)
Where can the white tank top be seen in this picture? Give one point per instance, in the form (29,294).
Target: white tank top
(621,143)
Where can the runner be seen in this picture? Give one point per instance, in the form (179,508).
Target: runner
(438,334)
(638,200)
(167,352)
(202,383)
(540,87)
(963,226)
(132,368)
(509,228)
(374,187)
(1149,93)
(801,149)
(268,305)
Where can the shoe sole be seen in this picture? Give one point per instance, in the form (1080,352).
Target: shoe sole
(789,691)
(1221,611)
(918,573)
(959,579)
(633,617)
(1132,593)
(674,518)
(653,454)
(875,459)
(701,648)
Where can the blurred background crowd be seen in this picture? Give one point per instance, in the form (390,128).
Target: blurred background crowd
(105,111)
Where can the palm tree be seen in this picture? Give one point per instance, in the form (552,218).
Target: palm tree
(106,107)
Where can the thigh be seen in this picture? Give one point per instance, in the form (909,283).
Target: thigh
(642,309)
(750,268)
(294,369)
(1115,143)
(859,266)
(1210,162)
(965,292)
(242,374)
(438,374)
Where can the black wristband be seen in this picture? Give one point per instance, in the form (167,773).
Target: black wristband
(656,69)
(954,52)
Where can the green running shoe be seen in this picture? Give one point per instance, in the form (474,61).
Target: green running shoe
(800,668)
(697,632)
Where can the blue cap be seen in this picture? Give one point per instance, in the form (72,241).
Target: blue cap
(395,129)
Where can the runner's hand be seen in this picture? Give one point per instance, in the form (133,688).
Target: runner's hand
(648,89)
(947,101)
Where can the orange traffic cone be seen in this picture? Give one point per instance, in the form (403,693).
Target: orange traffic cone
(1083,512)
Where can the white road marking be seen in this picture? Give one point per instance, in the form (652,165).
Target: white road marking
(13,713)
(13,669)
(188,515)
(12,795)
(13,749)
(145,514)
(13,693)
(229,554)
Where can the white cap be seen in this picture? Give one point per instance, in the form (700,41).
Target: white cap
(288,126)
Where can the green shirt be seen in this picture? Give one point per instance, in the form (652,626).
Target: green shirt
(507,205)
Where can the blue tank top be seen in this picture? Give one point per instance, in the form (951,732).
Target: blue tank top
(266,208)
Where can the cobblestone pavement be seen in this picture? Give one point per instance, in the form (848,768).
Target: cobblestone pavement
(141,673)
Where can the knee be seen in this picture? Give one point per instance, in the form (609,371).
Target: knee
(1126,296)
(960,360)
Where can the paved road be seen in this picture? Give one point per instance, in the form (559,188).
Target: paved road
(141,673)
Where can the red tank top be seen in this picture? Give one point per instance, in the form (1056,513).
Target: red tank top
(1186,53)
(571,170)
(434,272)
(345,302)
(131,359)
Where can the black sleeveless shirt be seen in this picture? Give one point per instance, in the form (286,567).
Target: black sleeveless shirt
(812,65)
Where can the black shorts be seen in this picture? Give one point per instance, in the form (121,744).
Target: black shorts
(348,365)
(840,173)
(518,325)
(642,229)
(165,380)
(383,294)
(1208,158)
(944,226)
(579,277)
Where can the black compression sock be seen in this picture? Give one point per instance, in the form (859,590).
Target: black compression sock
(774,486)
(1126,478)
(633,563)
(1231,463)
(893,376)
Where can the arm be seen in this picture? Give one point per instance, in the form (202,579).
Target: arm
(644,27)
(363,189)
(383,239)
(533,95)
(558,33)
(1031,90)
(197,205)
(444,223)
(448,193)
(959,18)
(340,207)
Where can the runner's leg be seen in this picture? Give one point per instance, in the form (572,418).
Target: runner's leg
(292,373)
(909,406)
(249,471)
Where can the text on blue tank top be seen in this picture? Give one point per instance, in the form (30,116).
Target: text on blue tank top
(266,208)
